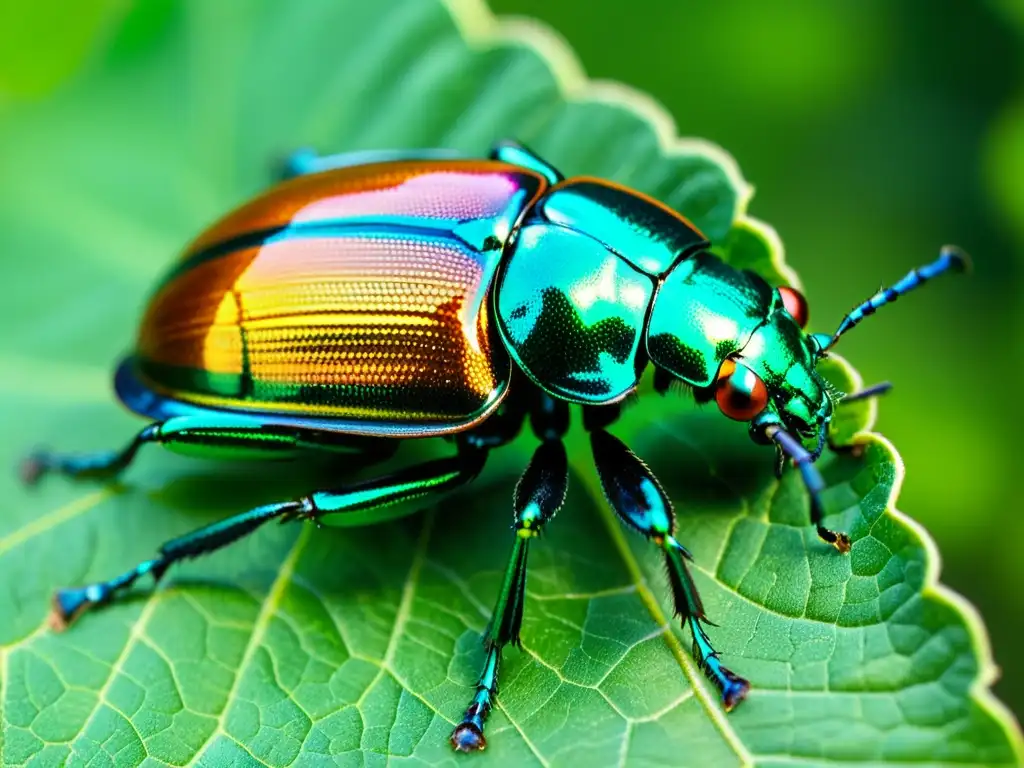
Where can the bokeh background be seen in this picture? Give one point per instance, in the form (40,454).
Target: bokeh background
(874,132)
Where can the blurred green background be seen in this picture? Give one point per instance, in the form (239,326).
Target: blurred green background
(874,132)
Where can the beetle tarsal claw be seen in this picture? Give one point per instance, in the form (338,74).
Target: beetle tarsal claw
(734,690)
(66,606)
(32,468)
(467,738)
(838,540)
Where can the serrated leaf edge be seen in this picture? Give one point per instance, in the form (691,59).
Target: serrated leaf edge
(988,671)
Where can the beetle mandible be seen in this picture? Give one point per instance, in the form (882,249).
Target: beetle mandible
(373,297)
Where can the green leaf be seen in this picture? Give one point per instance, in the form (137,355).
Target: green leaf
(43,42)
(299,644)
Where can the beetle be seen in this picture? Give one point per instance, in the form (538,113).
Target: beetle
(375,297)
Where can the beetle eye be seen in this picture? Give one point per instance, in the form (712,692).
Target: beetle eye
(795,304)
(739,392)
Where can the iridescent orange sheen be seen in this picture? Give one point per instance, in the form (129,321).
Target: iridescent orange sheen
(375,323)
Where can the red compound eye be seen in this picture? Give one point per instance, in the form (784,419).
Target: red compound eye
(739,392)
(795,304)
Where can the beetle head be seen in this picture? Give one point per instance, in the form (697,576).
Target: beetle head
(772,380)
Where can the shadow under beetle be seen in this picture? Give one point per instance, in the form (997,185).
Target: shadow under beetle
(375,296)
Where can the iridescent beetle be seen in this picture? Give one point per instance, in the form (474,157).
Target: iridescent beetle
(382,296)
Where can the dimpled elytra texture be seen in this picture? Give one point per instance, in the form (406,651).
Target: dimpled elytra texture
(344,294)
(432,191)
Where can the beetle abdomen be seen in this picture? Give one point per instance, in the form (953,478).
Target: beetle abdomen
(358,295)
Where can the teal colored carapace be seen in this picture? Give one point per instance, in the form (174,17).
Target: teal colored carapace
(374,297)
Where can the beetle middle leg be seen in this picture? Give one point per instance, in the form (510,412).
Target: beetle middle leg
(538,496)
(209,435)
(636,496)
(225,434)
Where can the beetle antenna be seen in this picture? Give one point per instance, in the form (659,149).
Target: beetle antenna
(950,257)
(863,394)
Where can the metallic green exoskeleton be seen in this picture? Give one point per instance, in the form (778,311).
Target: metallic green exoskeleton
(381,296)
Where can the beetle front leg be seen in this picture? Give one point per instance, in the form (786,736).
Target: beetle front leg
(538,496)
(791,447)
(636,496)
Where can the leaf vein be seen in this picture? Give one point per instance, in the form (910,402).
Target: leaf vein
(409,590)
(52,519)
(135,636)
(651,603)
(259,628)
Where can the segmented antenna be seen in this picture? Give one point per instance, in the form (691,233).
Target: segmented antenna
(950,257)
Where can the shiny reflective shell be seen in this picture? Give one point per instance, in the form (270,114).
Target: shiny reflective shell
(359,295)
(602,279)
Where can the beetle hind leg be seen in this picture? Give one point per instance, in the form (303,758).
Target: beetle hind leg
(102,465)
(305,161)
(212,435)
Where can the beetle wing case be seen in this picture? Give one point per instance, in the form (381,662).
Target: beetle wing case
(358,295)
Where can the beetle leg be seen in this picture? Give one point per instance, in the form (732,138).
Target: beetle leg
(214,435)
(538,496)
(636,496)
(431,476)
(500,429)
(600,416)
(814,483)
(306,160)
(69,604)
(100,465)
(514,153)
